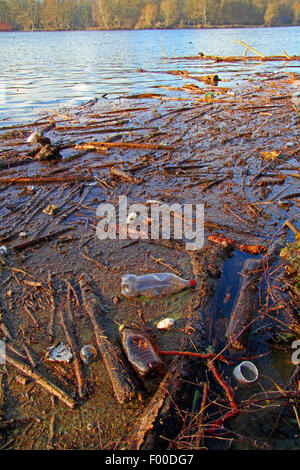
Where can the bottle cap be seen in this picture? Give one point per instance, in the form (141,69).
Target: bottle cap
(192,283)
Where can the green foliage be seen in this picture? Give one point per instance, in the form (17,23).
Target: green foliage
(128,14)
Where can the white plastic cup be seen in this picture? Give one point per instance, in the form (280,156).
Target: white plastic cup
(245,372)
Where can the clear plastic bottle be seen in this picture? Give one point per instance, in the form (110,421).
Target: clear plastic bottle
(153,284)
(140,353)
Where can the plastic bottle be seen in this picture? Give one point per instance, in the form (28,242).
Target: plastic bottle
(140,353)
(153,284)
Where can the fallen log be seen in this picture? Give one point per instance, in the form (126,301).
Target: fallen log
(237,332)
(239,326)
(125,384)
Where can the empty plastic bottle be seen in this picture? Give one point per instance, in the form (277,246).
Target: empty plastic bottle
(153,284)
(140,353)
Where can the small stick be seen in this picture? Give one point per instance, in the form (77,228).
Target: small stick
(192,354)
(46,179)
(37,241)
(130,145)
(73,343)
(29,356)
(251,48)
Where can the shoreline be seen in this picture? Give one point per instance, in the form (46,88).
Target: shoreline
(154,29)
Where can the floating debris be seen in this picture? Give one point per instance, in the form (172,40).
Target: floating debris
(88,353)
(50,210)
(140,353)
(4,250)
(23,234)
(209,95)
(32,137)
(153,284)
(131,218)
(59,353)
(246,372)
(166,324)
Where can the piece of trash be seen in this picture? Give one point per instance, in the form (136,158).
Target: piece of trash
(88,353)
(231,93)
(131,217)
(4,250)
(209,95)
(30,188)
(32,137)
(166,324)
(50,210)
(153,284)
(140,353)
(153,201)
(211,80)
(59,353)
(23,234)
(245,372)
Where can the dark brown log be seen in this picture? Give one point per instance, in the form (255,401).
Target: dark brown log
(125,384)
(237,332)
(239,327)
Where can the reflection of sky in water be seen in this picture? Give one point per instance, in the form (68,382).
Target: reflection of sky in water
(44,70)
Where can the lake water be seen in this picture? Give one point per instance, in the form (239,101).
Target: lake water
(44,70)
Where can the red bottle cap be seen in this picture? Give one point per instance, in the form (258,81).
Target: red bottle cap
(192,283)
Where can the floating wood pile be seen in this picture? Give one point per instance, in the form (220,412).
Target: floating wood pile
(235,150)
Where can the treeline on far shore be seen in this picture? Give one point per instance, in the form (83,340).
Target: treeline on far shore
(144,14)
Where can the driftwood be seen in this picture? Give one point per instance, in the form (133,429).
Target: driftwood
(37,241)
(125,384)
(239,326)
(237,331)
(128,145)
(34,180)
(73,343)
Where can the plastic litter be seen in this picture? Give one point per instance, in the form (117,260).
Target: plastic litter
(153,284)
(4,250)
(32,137)
(23,234)
(131,217)
(209,95)
(166,324)
(88,353)
(140,353)
(59,352)
(246,372)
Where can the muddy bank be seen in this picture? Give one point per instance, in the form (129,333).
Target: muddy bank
(234,150)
